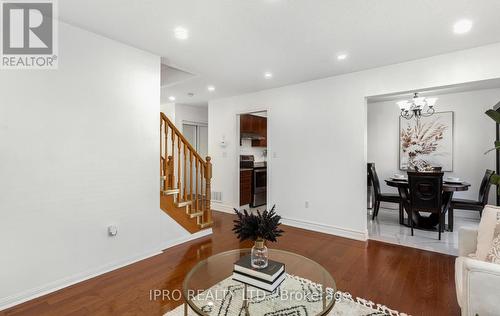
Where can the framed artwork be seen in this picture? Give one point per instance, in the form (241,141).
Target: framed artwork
(427,141)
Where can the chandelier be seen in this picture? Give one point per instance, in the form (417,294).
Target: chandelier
(417,107)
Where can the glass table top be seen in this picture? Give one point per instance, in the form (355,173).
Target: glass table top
(307,290)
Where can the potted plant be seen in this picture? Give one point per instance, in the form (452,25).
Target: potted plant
(495,179)
(258,228)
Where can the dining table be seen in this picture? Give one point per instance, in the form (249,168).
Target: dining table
(431,221)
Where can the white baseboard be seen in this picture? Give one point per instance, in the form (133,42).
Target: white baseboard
(467,214)
(327,229)
(322,228)
(219,206)
(181,240)
(33,293)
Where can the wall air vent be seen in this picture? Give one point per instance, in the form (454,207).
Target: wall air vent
(216,196)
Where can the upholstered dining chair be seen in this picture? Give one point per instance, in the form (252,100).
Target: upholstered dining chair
(382,197)
(426,195)
(473,205)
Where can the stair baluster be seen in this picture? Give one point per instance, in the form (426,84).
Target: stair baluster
(184,196)
(179,174)
(197,197)
(191,175)
(207,215)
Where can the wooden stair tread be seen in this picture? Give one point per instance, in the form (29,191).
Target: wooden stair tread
(195,214)
(206,224)
(170,191)
(178,214)
(183,203)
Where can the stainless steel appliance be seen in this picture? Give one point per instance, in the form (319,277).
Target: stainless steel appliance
(246,161)
(259,179)
(259,194)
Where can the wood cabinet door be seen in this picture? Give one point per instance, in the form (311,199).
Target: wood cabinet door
(262,131)
(246,123)
(245,187)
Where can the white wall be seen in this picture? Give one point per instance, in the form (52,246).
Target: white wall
(179,113)
(169,110)
(79,151)
(189,113)
(473,135)
(247,149)
(318,134)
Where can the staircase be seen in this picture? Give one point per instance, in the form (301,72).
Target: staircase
(185,180)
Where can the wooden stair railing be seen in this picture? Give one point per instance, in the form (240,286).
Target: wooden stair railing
(181,167)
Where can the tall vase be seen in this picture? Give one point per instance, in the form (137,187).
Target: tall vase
(259,255)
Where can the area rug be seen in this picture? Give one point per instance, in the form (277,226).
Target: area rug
(226,298)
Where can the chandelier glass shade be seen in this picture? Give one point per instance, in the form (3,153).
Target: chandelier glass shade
(417,107)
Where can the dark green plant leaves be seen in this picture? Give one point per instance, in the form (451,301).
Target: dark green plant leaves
(494,115)
(495,179)
(249,226)
(497,147)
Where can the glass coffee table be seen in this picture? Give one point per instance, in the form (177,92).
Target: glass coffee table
(208,288)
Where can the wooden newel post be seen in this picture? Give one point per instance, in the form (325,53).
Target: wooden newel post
(208,192)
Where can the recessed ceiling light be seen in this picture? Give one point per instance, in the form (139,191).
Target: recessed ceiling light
(462,26)
(181,33)
(171,98)
(268,75)
(211,88)
(341,56)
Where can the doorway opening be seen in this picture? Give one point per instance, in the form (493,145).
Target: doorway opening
(253,167)
(197,135)
(452,140)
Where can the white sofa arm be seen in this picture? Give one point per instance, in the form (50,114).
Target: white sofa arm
(481,287)
(467,241)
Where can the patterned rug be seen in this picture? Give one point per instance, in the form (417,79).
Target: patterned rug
(226,298)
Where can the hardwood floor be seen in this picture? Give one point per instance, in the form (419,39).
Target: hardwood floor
(406,279)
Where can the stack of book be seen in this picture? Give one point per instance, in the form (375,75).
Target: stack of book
(267,279)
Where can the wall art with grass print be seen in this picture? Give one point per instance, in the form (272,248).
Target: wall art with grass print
(426,142)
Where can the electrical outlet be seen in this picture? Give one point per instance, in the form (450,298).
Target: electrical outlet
(112,230)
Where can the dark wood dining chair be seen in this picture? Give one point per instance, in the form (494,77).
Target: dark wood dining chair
(473,205)
(426,195)
(382,197)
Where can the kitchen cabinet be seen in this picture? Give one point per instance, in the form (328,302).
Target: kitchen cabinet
(261,127)
(256,125)
(246,123)
(246,186)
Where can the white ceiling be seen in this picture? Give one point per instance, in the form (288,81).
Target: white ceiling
(233,42)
